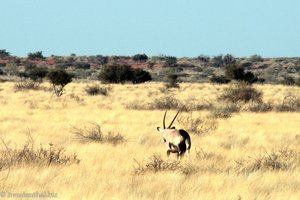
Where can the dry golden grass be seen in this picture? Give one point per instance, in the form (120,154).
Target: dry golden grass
(107,171)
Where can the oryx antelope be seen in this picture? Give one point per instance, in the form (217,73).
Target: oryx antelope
(177,141)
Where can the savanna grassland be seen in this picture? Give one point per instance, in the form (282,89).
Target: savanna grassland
(247,155)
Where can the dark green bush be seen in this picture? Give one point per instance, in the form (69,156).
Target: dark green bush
(122,74)
(288,80)
(172,81)
(217,61)
(236,72)
(229,59)
(36,56)
(298,82)
(33,72)
(4,53)
(102,60)
(82,65)
(203,58)
(169,61)
(116,74)
(141,76)
(256,58)
(59,79)
(140,57)
(221,79)
(250,77)
(37,74)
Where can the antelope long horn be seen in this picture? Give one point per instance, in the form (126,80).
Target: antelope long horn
(173,119)
(164,120)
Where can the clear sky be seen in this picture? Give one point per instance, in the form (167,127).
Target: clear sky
(270,28)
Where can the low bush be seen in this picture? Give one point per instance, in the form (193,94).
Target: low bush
(30,155)
(136,105)
(284,159)
(258,107)
(197,125)
(219,79)
(224,110)
(166,103)
(156,164)
(290,103)
(297,81)
(94,133)
(27,85)
(240,92)
(288,80)
(98,90)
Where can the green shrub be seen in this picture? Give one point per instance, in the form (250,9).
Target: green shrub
(203,58)
(141,76)
(37,74)
(256,58)
(123,73)
(234,72)
(169,61)
(217,61)
(59,79)
(221,79)
(4,53)
(297,82)
(140,57)
(229,59)
(172,81)
(82,65)
(36,56)
(288,80)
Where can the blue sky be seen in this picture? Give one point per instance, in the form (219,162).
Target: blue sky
(270,28)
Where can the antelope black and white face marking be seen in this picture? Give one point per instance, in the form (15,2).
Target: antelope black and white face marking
(177,141)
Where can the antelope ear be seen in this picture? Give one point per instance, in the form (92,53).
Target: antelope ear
(159,129)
